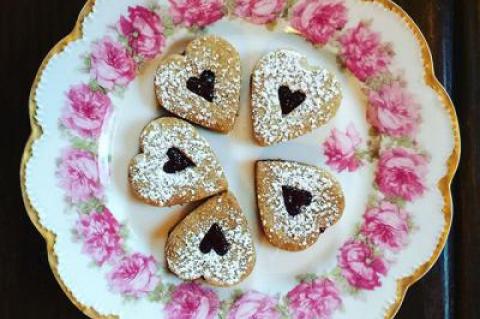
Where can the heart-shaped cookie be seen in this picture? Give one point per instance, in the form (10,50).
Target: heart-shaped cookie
(203,85)
(213,242)
(291,98)
(296,202)
(176,165)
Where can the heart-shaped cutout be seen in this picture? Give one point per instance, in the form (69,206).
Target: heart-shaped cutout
(203,85)
(296,202)
(177,161)
(176,165)
(295,199)
(215,239)
(291,98)
(213,242)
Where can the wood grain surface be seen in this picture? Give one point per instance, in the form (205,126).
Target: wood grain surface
(29,28)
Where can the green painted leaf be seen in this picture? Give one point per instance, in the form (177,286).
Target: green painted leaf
(87,63)
(93,205)
(94,86)
(309,277)
(282,307)
(83,144)
(372,200)
(162,293)
(230,5)
(337,272)
(169,27)
(123,40)
(286,11)
(124,232)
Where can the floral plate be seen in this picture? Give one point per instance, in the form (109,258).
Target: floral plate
(394,146)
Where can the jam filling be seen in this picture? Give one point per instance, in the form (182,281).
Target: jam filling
(289,100)
(177,161)
(215,239)
(203,86)
(295,199)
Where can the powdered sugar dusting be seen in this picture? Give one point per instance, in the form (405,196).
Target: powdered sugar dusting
(188,262)
(157,187)
(303,229)
(289,68)
(207,53)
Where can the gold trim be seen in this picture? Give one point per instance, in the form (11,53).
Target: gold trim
(452,163)
(50,237)
(443,185)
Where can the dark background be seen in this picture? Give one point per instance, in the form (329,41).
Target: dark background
(29,28)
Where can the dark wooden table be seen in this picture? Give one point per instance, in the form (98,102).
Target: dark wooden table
(29,28)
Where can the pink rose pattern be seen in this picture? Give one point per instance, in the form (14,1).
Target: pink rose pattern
(319,20)
(386,226)
(144,30)
(363,53)
(259,11)
(134,276)
(100,233)
(341,149)
(359,266)
(314,300)
(86,111)
(254,305)
(191,301)
(392,111)
(401,173)
(111,64)
(79,175)
(196,13)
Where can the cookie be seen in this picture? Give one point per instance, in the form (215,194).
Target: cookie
(213,242)
(296,202)
(203,85)
(176,165)
(291,98)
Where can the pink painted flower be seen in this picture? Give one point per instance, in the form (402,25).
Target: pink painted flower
(401,173)
(259,11)
(191,301)
(196,13)
(111,65)
(341,149)
(254,305)
(393,111)
(360,267)
(319,20)
(100,233)
(144,30)
(386,225)
(86,111)
(78,173)
(314,300)
(363,53)
(134,276)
